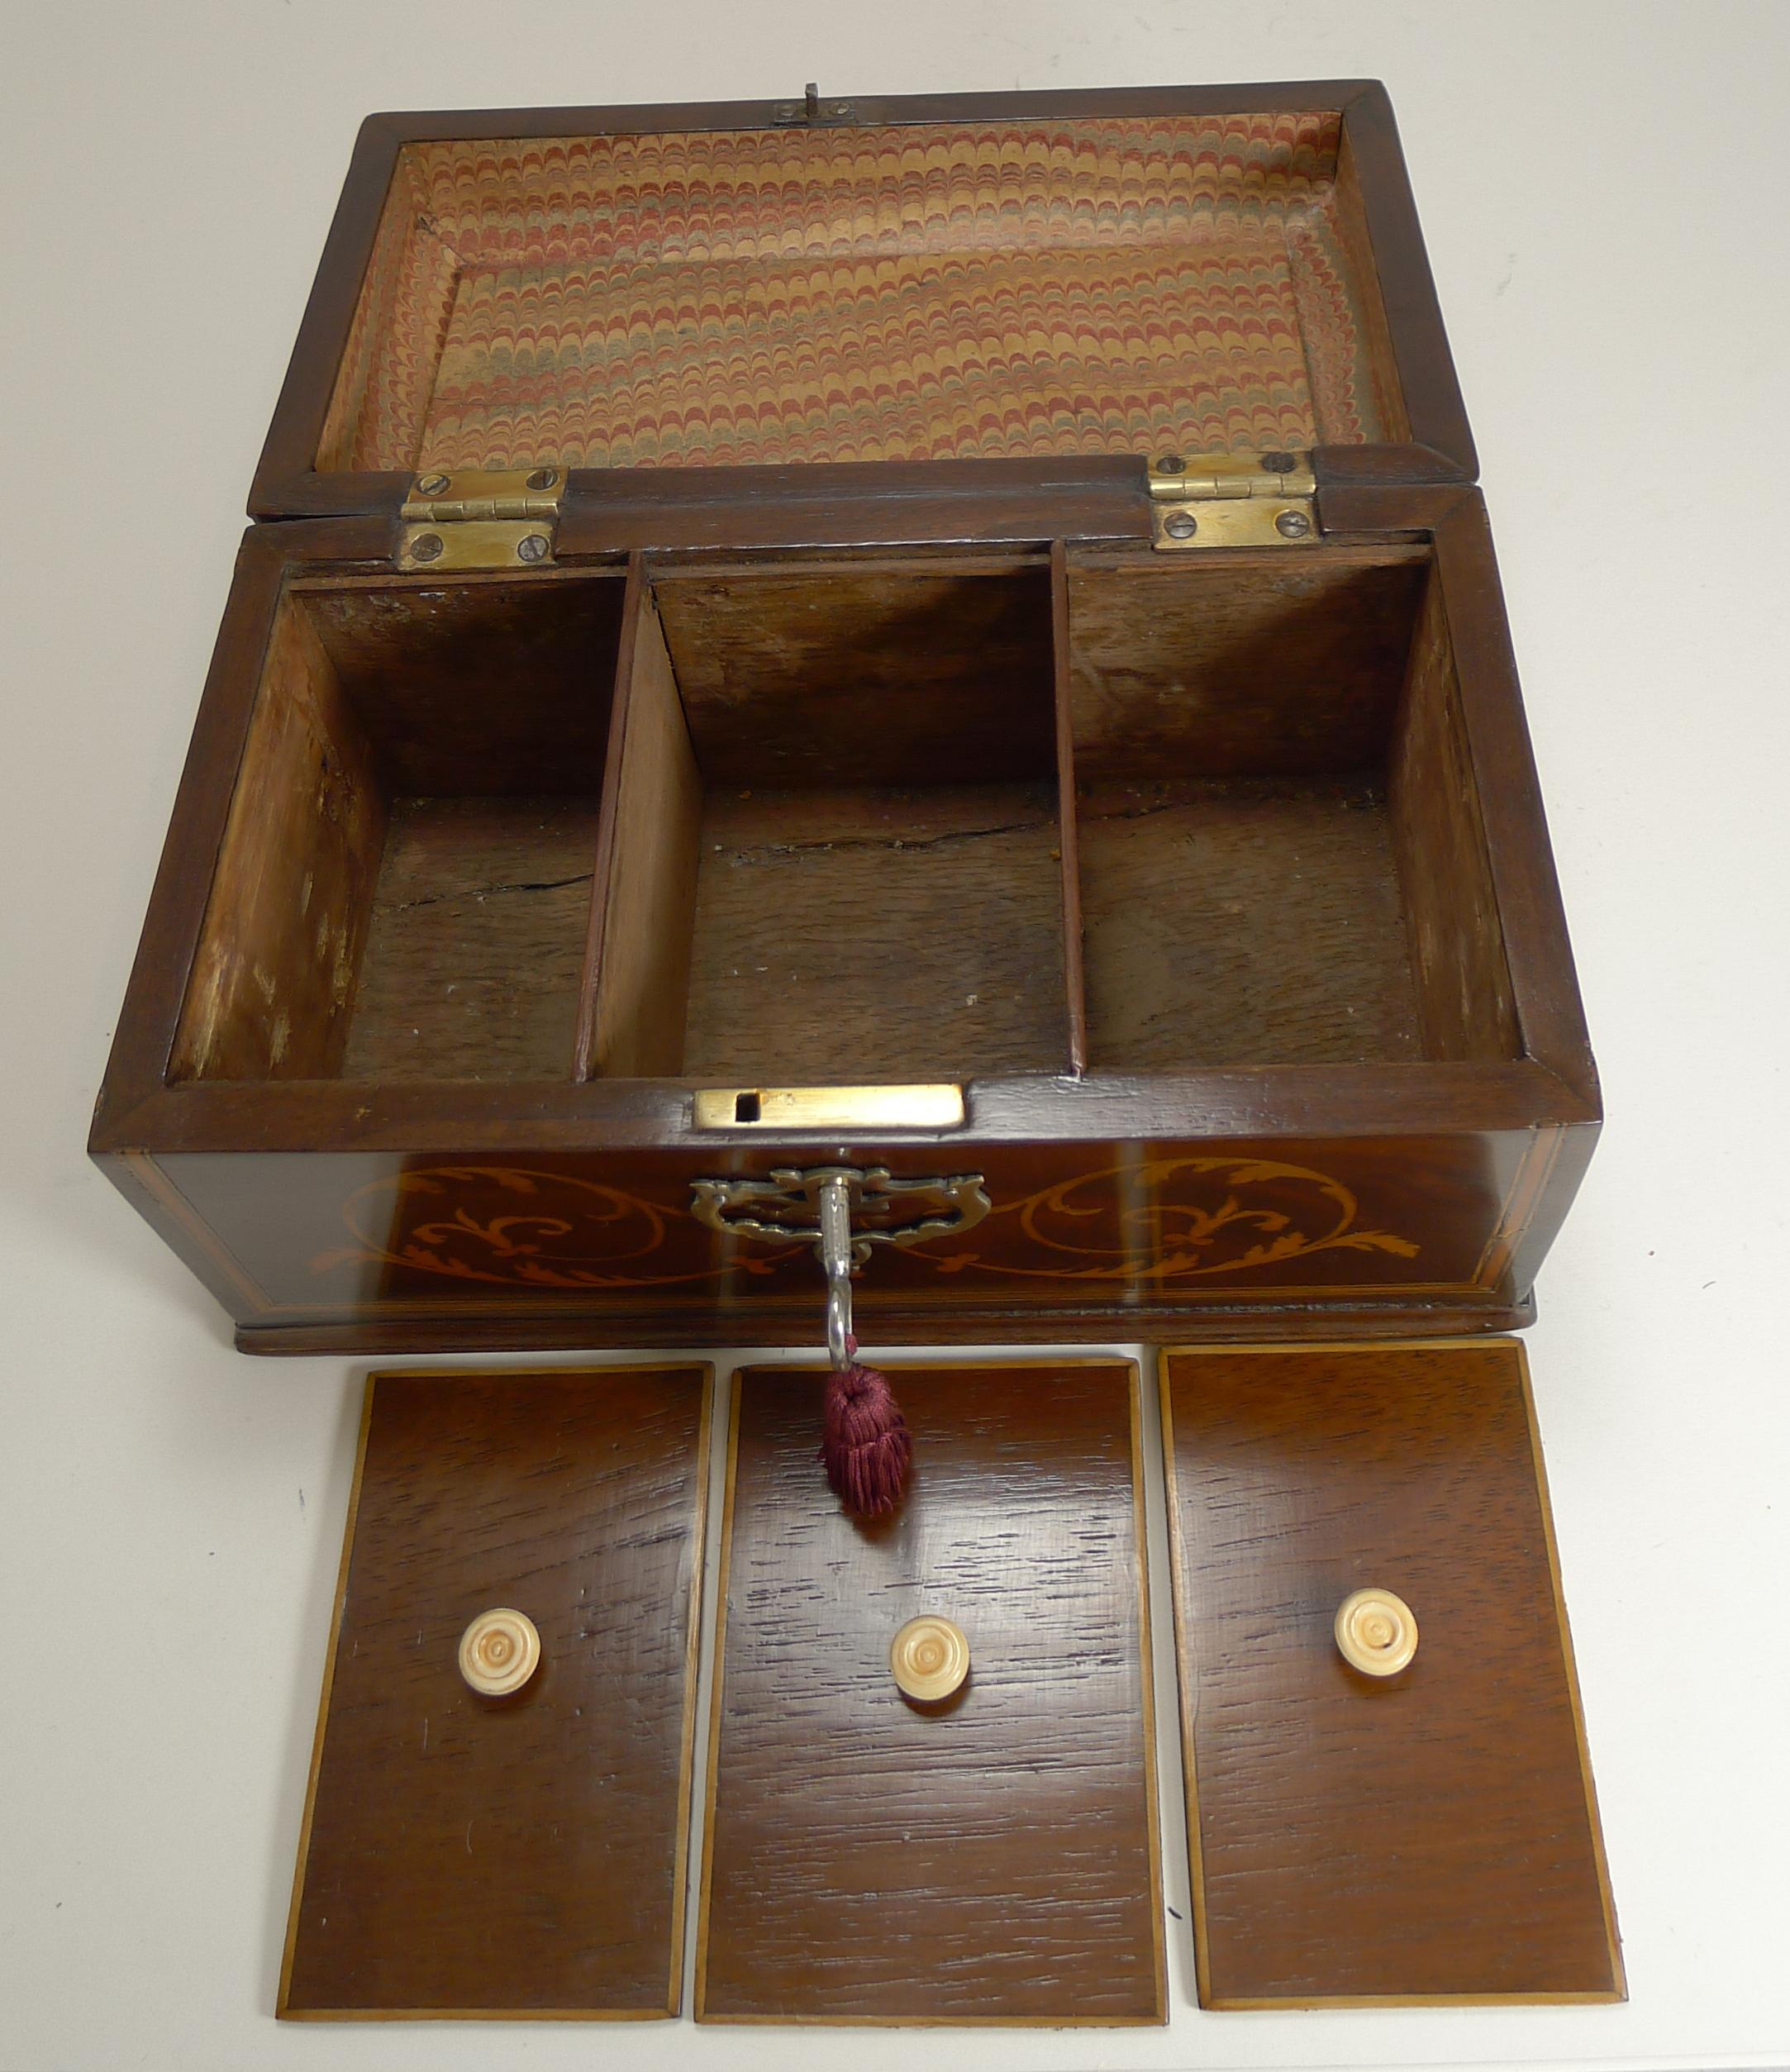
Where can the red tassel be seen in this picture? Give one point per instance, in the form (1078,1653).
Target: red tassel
(867,1448)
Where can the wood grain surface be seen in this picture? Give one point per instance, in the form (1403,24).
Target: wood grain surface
(641,925)
(865,671)
(524,1856)
(273,975)
(477,940)
(1457,941)
(1243,921)
(479,686)
(880,934)
(991,1858)
(1251,663)
(1068,846)
(1429,1837)
(358,929)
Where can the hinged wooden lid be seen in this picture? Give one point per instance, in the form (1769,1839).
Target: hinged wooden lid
(992,310)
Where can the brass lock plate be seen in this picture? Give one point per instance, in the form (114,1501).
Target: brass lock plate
(939,1107)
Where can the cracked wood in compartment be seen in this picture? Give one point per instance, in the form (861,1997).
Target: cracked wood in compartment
(520,1856)
(881,934)
(476,945)
(403,889)
(879,867)
(1243,921)
(990,1859)
(1430,1836)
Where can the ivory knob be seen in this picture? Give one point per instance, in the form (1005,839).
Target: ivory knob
(1376,1632)
(499,1652)
(928,1659)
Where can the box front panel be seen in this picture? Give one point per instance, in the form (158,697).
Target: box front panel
(610,1246)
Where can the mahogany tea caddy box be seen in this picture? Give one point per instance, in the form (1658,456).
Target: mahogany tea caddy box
(922,680)
(951,641)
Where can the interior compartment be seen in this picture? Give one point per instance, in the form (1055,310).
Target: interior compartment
(834,849)
(836,853)
(1129,284)
(404,884)
(1282,858)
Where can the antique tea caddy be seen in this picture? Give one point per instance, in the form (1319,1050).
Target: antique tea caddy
(936,637)
(922,680)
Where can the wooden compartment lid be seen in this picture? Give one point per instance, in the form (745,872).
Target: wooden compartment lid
(1414,1829)
(507,1847)
(968,289)
(980,1847)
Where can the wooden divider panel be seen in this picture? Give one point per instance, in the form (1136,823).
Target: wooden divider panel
(638,964)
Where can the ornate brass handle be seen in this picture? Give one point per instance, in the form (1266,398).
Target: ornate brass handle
(928,1659)
(499,1652)
(1376,1632)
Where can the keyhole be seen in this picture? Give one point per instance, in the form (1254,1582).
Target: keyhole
(745,1108)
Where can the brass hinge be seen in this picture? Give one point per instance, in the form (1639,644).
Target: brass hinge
(481,518)
(1233,500)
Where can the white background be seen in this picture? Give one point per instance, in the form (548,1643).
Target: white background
(1603,190)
